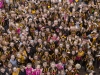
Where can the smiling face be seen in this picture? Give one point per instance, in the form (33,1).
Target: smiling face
(46,53)
(29,65)
(2,70)
(38,67)
(56,51)
(53,65)
(45,64)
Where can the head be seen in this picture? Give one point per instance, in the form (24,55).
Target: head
(21,68)
(15,69)
(35,57)
(12,44)
(45,42)
(12,57)
(54,35)
(62,72)
(38,66)
(46,53)
(9,65)
(64,54)
(44,63)
(69,68)
(53,64)
(56,51)
(90,63)
(29,65)
(51,41)
(2,69)
(39,49)
(67,46)
(61,45)
(73,52)
(39,41)
(88,52)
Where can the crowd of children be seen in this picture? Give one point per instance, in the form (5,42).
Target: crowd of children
(49,37)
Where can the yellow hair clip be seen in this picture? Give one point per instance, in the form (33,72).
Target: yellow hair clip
(33,11)
(48,6)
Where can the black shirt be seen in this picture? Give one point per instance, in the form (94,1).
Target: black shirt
(22,72)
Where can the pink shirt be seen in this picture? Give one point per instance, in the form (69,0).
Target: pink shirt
(18,31)
(29,71)
(1,4)
(71,1)
(55,38)
(59,67)
(37,72)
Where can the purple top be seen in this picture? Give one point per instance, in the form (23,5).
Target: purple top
(1,4)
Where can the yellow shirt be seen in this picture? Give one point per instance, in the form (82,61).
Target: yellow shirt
(76,0)
(80,53)
(16,73)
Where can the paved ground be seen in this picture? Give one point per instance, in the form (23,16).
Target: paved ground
(82,72)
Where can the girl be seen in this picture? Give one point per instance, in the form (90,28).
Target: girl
(37,71)
(29,69)
(53,70)
(22,71)
(1,4)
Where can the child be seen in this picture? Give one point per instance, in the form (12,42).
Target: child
(69,70)
(46,56)
(45,68)
(37,71)
(29,69)
(22,71)
(60,66)
(90,67)
(1,4)
(64,58)
(53,70)
(15,71)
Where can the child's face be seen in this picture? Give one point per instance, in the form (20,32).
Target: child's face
(48,73)
(90,63)
(75,43)
(11,44)
(67,46)
(60,63)
(53,65)
(2,70)
(29,66)
(14,69)
(39,49)
(22,69)
(73,52)
(43,34)
(61,45)
(62,72)
(69,68)
(46,53)
(45,64)
(45,43)
(51,41)
(38,67)
(88,52)
(64,55)
(56,50)
(12,57)
(9,65)
(35,57)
